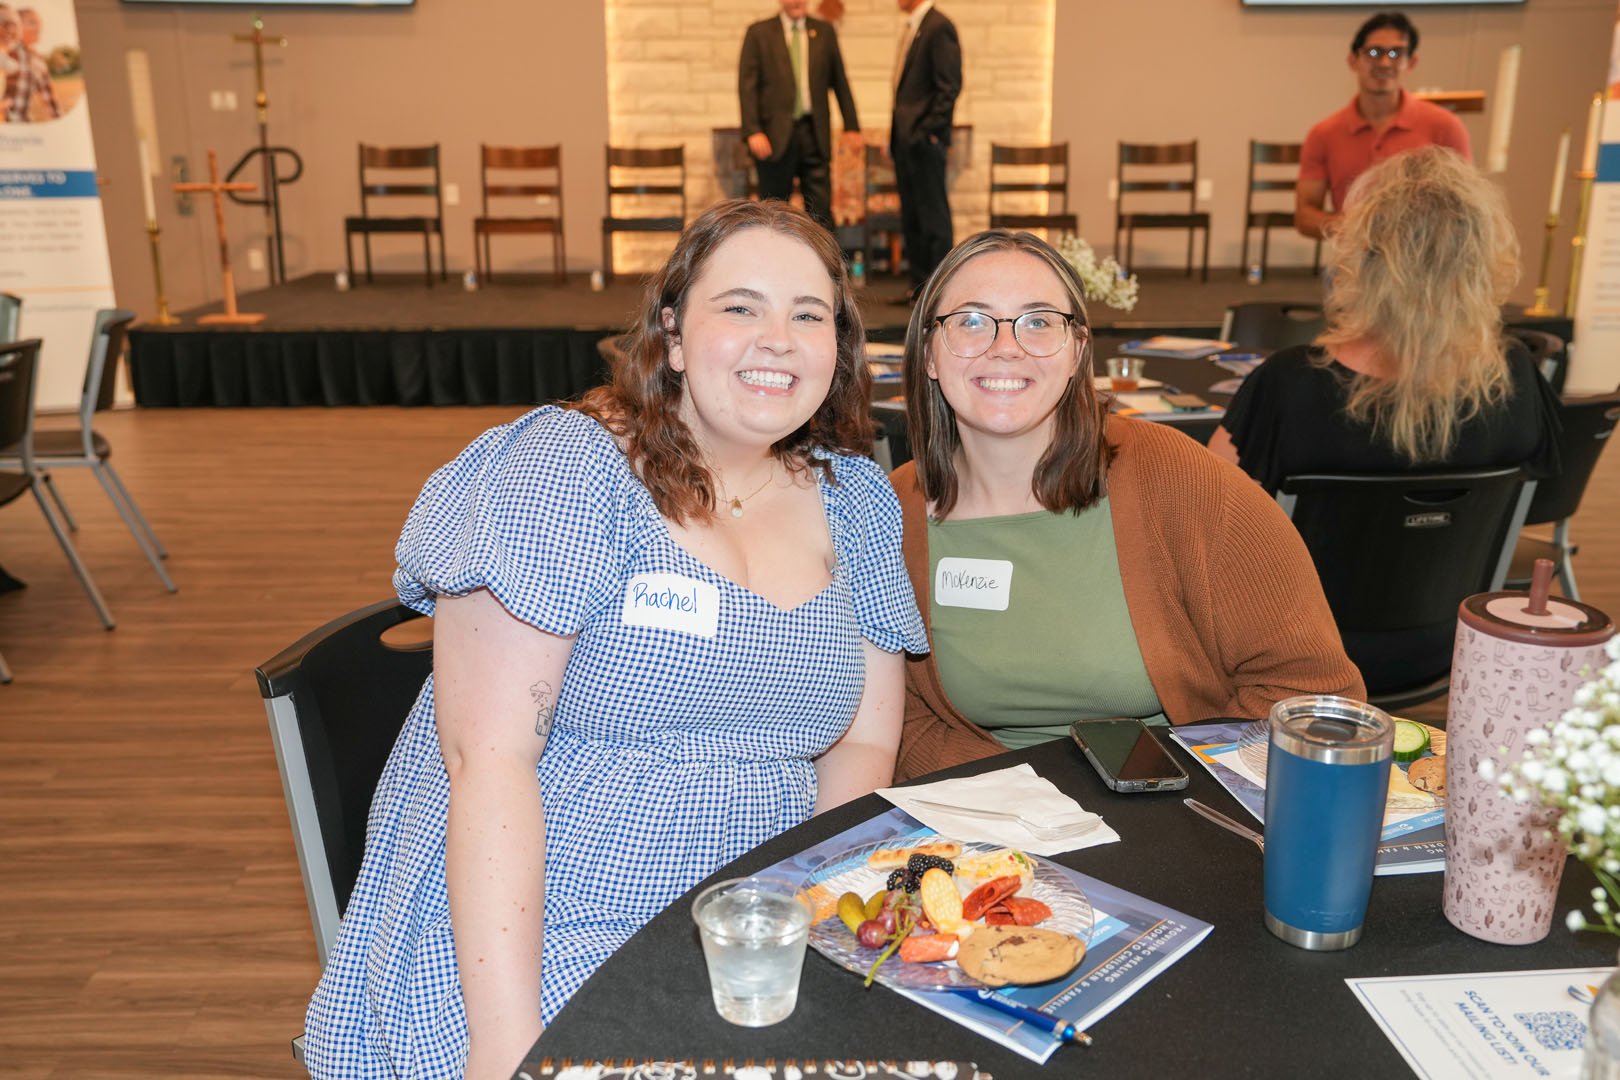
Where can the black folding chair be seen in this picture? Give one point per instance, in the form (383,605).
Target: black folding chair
(1588,423)
(1133,157)
(19,364)
(1050,177)
(336,701)
(1396,554)
(422,159)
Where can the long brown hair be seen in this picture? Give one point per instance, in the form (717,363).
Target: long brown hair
(641,402)
(1072,474)
(1422,260)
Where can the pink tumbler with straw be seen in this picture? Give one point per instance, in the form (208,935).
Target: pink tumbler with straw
(1519,660)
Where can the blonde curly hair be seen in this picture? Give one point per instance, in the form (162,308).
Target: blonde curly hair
(1421,262)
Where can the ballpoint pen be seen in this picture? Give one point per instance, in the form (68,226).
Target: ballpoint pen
(1053,1025)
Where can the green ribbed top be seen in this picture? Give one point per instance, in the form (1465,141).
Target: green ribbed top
(1063,650)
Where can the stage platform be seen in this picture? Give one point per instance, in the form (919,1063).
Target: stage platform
(519,340)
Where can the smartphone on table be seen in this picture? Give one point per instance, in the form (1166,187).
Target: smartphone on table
(1184,402)
(1127,755)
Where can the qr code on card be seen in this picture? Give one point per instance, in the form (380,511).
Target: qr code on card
(1560,1030)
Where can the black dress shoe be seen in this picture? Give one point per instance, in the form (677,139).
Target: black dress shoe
(9,583)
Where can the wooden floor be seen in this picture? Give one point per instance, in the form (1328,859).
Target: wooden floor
(152,923)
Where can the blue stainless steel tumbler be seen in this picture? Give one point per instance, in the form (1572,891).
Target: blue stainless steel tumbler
(1327,780)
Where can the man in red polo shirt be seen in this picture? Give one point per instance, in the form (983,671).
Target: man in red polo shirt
(1381,120)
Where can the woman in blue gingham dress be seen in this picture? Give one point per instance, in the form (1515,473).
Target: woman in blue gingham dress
(673,747)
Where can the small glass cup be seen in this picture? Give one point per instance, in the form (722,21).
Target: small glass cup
(754,933)
(1125,372)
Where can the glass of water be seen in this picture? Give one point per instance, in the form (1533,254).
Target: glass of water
(754,932)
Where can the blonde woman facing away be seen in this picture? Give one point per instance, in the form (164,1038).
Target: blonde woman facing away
(1071,564)
(1413,371)
(668,625)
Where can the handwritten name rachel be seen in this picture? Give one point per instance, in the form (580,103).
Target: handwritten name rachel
(665,599)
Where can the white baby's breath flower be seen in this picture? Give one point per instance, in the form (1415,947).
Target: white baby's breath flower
(1575,921)
(1487,769)
(1538,737)
(1591,819)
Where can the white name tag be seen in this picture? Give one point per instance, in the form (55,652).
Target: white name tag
(985,584)
(672,602)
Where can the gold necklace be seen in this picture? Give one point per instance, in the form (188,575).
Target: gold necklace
(737,504)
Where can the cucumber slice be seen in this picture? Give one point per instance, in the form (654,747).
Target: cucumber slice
(1411,740)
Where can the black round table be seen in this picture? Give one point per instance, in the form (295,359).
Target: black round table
(1242,1003)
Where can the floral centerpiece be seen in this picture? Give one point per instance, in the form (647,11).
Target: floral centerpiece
(1573,767)
(1104,280)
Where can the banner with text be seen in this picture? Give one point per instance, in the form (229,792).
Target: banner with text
(53,238)
(1594,360)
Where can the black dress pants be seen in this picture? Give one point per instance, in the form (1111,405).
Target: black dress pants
(804,158)
(925,208)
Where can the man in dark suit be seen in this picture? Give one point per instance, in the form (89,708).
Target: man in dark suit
(927,79)
(789,63)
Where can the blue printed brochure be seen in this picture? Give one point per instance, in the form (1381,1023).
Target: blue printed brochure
(1132,941)
(1412,842)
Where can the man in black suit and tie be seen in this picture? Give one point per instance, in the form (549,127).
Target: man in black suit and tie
(927,79)
(789,63)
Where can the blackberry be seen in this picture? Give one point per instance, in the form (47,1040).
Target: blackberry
(918,865)
(903,879)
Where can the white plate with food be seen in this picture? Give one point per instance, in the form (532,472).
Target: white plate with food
(865,871)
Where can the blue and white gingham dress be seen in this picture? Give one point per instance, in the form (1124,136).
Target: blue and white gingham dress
(670,754)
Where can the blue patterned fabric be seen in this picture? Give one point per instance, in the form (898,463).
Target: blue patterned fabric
(670,754)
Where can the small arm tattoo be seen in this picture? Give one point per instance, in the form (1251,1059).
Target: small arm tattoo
(545,705)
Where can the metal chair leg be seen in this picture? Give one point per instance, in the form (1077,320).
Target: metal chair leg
(427,257)
(135,529)
(1566,567)
(366,239)
(73,558)
(129,500)
(56,497)
(348,252)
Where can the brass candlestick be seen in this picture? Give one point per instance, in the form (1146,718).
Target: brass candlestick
(163,316)
(1578,242)
(1540,309)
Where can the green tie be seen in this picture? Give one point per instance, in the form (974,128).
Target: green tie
(797,54)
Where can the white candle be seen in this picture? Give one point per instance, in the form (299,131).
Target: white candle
(146,183)
(1507,89)
(1558,174)
(1594,135)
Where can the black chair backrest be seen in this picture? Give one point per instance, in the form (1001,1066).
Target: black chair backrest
(1587,424)
(659,158)
(529,158)
(19,361)
(1267,327)
(1160,154)
(106,350)
(1400,551)
(352,692)
(399,157)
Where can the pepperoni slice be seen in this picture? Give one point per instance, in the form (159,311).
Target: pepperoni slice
(1026,911)
(985,897)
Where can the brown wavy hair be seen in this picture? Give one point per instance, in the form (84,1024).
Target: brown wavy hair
(1422,260)
(641,402)
(1072,474)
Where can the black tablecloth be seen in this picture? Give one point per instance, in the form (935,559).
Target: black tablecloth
(1243,1003)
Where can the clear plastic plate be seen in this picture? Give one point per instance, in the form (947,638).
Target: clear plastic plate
(848,872)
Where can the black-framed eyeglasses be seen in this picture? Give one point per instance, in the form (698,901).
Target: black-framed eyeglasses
(969,334)
(1395,53)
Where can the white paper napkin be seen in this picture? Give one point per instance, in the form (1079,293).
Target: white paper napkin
(1017,789)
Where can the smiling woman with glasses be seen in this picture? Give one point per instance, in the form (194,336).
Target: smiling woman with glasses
(1070,564)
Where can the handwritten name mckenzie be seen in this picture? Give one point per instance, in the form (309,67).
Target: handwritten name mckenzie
(965,579)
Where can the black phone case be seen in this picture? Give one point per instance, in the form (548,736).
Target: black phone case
(1161,783)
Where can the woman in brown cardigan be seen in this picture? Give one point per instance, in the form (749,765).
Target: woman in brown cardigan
(1072,564)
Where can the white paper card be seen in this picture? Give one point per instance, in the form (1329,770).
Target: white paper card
(1486,1025)
(672,602)
(985,584)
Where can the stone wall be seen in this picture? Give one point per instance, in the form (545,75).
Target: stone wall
(672,78)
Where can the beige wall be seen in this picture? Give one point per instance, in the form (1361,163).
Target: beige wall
(459,73)
(1228,74)
(522,72)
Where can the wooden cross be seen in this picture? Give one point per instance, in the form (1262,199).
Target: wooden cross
(217,189)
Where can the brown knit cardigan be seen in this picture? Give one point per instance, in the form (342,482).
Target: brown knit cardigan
(1225,601)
